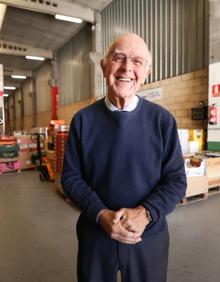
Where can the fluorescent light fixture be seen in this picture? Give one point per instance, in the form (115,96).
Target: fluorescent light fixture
(35,58)
(5,95)
(2,13)
(68,19)
(19,76)
(9,87)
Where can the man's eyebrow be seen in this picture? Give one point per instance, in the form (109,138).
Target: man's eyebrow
(118,52)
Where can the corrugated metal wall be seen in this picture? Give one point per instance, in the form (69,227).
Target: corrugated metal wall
(18,104)
(74,68)
(176,32)
(214,32)
(28,98)
(43,88)
(11,111)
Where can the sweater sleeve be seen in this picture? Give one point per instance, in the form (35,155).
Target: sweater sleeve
(172,185)
(75,186)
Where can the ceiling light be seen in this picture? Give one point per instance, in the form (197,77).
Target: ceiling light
(35,58)
(68,19)
(19,76)
(5,95)
(2,13)
(9,87)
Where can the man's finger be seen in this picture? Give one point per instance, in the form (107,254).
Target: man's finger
(127,224)
(126,240)
(126,234)
(118,216)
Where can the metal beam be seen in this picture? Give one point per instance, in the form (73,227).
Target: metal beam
(17,49)
(13,71)
(34,102)
(14,113)
(22,108)
(2,111)
(14,83)
(53,7)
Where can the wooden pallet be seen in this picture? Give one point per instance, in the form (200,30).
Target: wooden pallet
(32,167)
(193,199)
(10,171)
(214,190)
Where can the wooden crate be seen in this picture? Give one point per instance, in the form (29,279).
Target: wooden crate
(213,172)
(197,185)
(197,189)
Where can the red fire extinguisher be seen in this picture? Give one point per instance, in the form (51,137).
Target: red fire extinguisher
(213,114)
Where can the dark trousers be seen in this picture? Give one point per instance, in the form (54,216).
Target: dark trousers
(100,257)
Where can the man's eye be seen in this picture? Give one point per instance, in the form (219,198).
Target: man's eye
(137,62)
(119,59)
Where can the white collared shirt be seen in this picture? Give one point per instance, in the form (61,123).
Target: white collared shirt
(130,107)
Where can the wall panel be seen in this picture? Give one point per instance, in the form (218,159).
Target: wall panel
(74,68)
(181,93)
(18,104)
(11,111)
(15,96)
(27,88)
(175,30)
(43,88)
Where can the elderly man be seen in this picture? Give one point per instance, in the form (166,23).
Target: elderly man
(124,170)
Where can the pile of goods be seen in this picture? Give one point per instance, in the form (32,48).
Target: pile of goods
(9,154)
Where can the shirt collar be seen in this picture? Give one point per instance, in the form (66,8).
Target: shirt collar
(130,107)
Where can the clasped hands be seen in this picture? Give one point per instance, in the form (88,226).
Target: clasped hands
(125,225)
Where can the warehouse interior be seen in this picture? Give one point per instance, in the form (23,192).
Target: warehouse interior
(49,70)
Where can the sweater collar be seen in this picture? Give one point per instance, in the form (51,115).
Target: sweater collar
(129,107)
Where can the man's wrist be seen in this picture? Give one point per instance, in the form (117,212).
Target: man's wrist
(148,215)
(99,215)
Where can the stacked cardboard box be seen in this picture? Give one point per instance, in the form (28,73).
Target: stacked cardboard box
(8,154)
(26,148)
(61,135)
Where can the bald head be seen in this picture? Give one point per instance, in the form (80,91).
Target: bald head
(133,40)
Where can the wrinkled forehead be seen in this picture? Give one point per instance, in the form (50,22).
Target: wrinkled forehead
(129,53)
(132,47)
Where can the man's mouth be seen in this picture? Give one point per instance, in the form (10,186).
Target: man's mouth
(124,79)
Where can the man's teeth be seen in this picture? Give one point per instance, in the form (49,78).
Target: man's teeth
(124,79)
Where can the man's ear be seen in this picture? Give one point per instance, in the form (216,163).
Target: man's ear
(147,72)
(103,66)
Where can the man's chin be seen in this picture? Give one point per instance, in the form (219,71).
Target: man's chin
(123,95)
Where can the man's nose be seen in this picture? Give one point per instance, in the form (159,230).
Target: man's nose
(127,64)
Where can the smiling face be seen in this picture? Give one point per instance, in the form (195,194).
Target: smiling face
(125,67)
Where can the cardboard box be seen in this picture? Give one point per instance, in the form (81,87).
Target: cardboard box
(25,159)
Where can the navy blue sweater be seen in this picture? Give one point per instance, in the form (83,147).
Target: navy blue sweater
(124,159)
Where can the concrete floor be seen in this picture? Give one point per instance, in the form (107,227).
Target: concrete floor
(37,242)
